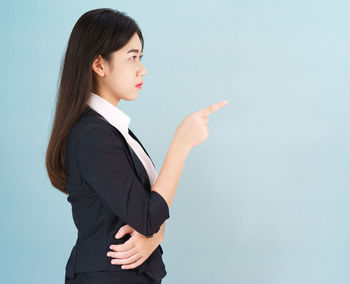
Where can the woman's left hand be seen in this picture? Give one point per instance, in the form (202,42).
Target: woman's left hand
(136,249)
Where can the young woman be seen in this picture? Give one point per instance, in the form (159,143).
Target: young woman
(119,202)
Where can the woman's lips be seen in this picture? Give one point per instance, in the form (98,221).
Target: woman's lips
(139,86)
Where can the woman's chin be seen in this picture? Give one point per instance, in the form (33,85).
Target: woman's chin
(134,96)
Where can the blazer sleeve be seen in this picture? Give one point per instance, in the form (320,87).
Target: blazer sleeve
(105,168)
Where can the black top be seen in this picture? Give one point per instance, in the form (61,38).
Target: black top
(108,187)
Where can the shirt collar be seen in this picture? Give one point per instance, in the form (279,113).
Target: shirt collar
(111,113)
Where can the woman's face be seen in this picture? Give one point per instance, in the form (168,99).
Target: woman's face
(119,80)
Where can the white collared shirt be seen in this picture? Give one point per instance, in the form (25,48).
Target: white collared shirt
(121,121)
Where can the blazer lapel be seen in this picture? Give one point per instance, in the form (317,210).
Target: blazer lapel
(140,169)
(134,136)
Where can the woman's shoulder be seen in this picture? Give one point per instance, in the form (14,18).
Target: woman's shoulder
(91,126)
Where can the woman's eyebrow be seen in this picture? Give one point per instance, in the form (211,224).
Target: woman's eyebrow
(133,50)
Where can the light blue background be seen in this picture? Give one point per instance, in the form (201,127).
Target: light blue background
(264,200)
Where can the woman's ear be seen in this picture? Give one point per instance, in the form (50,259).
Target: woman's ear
(98,66)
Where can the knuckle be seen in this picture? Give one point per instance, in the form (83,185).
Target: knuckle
(119,254)
(196,115)
(135,264)
(122,261)
(128,265)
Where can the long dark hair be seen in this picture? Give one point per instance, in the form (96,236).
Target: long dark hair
(97,32)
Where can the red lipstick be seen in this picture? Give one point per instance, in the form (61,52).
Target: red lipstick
(139,86)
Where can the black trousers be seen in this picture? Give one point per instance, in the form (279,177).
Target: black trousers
(111,277)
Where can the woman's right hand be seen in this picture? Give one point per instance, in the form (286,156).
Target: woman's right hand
(193,130)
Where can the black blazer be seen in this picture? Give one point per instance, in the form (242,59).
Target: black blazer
(108,187)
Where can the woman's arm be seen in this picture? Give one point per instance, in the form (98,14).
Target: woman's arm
(169,176)
(192,131)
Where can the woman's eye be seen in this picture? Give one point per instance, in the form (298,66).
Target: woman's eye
(134,57)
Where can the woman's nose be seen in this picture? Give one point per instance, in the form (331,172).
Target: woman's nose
(142,71)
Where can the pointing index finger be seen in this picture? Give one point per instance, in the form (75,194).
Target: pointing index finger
(214,107)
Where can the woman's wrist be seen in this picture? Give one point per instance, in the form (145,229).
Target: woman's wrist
(180,145)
